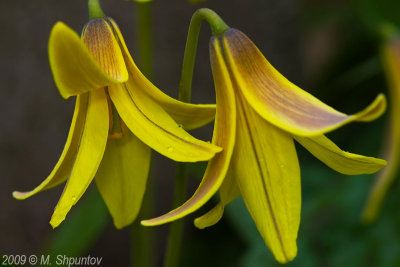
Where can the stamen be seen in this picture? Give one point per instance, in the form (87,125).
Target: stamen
(117,127)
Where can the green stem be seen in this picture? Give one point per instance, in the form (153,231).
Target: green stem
(176,228)
(143,242)
(95,11)
(218,27)
(142,237)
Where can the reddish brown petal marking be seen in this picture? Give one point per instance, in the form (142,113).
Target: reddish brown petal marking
(261,76)
(100,41)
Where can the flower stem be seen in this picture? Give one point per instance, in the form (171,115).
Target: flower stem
(142,237)
(95,11)
(218,27)
(174,244)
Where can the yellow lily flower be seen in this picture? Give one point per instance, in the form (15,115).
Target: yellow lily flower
(259,113)
(391,63)
(119,115)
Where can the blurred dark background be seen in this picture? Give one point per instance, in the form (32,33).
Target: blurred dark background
(329,48)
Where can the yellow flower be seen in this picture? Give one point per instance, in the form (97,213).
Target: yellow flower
(391,63)
(119,115)
(259,113)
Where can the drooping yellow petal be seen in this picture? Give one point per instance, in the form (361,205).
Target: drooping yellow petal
(122,177)
(391,63)
(61,171)
(228,192)
(223,136)
(190,116)
(75,71)
(151,124)
(278,100)
(91,150)
(341,161)
(268,175)
(98,37)
(211,217)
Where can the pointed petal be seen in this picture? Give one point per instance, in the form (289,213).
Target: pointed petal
(268,176)
(61,171)
(279,101)
(151,124)
(223,136)
(341,161)
(211,217)
(122,177)
(229,189)
(190,116)
(90,153)
(74,69)
(391,64)
(228,192)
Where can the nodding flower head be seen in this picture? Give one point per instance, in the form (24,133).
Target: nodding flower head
(259,114)
(119,116)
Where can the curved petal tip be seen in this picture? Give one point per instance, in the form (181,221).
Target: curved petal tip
(20,195)
(211,217)
(374,110)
